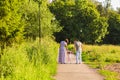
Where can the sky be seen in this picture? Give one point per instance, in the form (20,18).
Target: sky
(50,0)
(114,3)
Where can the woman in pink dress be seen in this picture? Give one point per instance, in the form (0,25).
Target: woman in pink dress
(62,51)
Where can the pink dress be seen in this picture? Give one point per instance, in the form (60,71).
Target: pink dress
(62,52)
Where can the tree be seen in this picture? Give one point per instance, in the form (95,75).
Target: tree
(113,29)
(30,16)
(107,4)
(65,18)
(100,8)
(80,19)
(11,23)
(118,10)
(48,25)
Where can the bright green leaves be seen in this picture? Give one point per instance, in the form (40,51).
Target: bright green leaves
(11,24)
(39,20)
(98,29)
(25,18)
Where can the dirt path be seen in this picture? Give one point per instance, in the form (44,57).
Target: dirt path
(76,72)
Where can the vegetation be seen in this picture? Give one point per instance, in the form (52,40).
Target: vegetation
(26,40)
(102,56)
(80,19)
(11,22)
(29,61)
(114,28)
(29,28)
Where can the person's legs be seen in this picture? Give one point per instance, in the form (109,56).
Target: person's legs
(70,57)
(63,58)
(59,58)
(80,58)
(77,57)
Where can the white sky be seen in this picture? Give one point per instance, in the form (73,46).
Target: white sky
(50,0)
(114,3)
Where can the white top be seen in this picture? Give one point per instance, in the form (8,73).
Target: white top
(78,46)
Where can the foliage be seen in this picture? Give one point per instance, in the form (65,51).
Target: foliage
(100,56)
(29,61)
(21,20)
(109,75)
(39,20)
(71,47)
(30,15)
(114,28)
(105,52)
(100,8)
(113,22)
(11,23)
(79,18)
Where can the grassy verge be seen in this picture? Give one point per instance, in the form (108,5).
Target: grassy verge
(29,61)
(109,75)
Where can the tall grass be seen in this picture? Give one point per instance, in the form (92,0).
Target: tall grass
(29,61)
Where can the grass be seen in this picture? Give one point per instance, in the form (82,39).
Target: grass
(30,61)
(100,56)
(109,75)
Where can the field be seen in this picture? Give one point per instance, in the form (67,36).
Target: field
(105,58)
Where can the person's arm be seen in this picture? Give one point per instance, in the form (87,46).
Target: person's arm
(74,49)
(82,46)
(66,46)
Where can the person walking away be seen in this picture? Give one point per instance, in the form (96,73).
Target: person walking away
(78,49)
(62,51)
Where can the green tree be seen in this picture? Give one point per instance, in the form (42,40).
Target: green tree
(104,9)
(80,19)
(47,20)
(100,8)
(113,29)
(30,16)
(63,11)
(118,10)
(11,23)
(39,19)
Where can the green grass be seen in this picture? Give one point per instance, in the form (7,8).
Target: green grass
(30,61)
(109,75)
(100,56)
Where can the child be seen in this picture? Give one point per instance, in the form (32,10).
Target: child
(69,55)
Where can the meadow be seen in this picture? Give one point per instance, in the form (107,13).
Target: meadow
(103,57)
